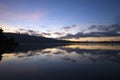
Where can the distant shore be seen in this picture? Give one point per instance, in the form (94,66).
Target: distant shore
(96,42)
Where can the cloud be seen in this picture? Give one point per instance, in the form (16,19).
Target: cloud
(46,34)
(68,36)
(66,28)
(6,13)
(59,33)
(29,32)
(97,31)
(26,17)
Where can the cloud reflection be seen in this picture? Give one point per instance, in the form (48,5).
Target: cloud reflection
(70,53)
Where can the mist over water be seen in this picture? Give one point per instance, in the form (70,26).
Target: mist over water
(68,62)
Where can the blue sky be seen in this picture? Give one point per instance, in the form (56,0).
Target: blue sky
(55,15)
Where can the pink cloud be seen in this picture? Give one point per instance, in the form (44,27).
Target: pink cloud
(7,14)
(28,16)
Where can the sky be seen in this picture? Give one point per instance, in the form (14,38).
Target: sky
(57,16)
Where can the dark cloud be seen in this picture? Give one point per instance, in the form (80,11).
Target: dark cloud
(100,31)
(73,25)
(67,36)
(46,34)
(29,32)
(21,29)
(58,33)
(66,28)
(101,28)
(92,27)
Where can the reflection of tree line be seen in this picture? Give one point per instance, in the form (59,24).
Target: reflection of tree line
(96,55)
(8,50)
(67,54)
(87,46)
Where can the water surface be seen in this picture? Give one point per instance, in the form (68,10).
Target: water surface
(68,62)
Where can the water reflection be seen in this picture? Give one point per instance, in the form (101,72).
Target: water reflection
(72,53)
(77,60)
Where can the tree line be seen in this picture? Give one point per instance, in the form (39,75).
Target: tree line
(4,41)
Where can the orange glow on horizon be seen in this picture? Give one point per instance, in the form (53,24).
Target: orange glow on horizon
(95,39)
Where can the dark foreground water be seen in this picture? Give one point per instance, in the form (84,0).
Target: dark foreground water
(70,62)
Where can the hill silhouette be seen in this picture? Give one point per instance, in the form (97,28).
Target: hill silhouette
(28,39)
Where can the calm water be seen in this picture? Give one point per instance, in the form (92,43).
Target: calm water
(70,62)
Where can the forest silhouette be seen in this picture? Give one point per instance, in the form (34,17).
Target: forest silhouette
(6,42)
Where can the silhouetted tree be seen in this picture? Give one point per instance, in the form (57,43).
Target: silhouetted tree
(1,31)
(2,37)
(5,41)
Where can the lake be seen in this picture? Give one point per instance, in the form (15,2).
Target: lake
(67,62)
